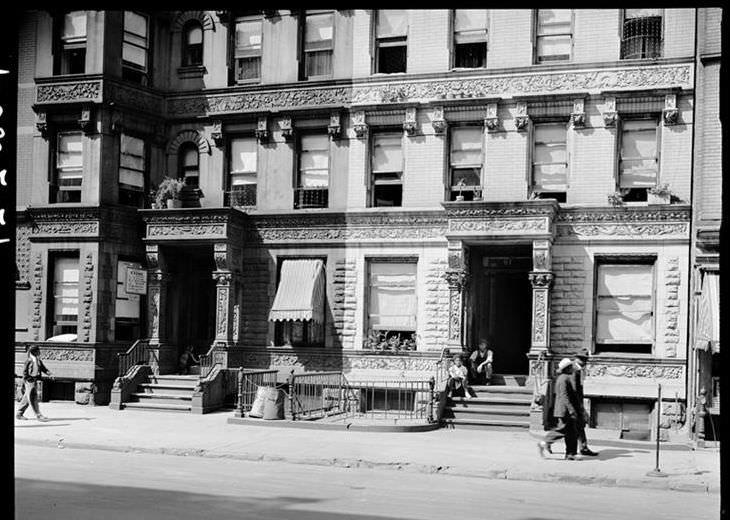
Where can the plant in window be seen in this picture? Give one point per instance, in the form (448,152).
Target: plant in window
(477,194)
(460,188)
(663,194)
(616,198)
(169,190)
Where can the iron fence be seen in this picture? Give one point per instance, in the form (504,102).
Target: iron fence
(242,196)
(396,399)
(249,381)
(318,394)
(311,198)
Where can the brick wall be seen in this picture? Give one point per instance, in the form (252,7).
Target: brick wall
(596,35)
(592,161)
(435,305)
(708,147)
(257,296)
(679,33)
(428,40)
(423,181)
(510,41)
(571,297)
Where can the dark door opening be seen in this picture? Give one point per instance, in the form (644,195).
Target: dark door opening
(501,304)
(191,304)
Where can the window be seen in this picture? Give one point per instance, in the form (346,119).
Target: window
(189,168)
(550,161)
(73,44)
(131,170)
(554,35)
(318,38)
(470,38)
(391,40)
(69,168)
(135,48)
(641,35)
(301,298)
(624,307)
(127,309)
(192,53)
(466,160)
(387,169)
(392,304)
(638,161)
(65,295)
(247,51)
(243,172)
(313,182)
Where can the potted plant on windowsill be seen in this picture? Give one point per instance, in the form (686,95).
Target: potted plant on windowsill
(477,194)
(460,187)
(168,193)
(616,198)
(661,194)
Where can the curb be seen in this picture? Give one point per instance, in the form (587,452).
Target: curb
(501,474)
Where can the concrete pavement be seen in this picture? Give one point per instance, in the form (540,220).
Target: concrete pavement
(473,453)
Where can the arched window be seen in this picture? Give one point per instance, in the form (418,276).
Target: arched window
(188,161)
(192,44)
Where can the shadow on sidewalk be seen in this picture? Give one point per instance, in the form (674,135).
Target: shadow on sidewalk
(40,425)
(615,454)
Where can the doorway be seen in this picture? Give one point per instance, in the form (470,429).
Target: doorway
(191,298)
(501,304)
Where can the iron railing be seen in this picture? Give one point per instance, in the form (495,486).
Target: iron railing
(138,354)
(311,198)
(209,360)
(642,38)
(395,399)
(318,394)
(243,196)
(249,381)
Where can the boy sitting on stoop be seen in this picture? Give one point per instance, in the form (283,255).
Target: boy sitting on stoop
(458,383)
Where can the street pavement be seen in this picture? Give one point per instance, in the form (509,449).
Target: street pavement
(84,484)
(469,453)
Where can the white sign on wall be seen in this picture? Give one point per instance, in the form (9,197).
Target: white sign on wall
(136,280)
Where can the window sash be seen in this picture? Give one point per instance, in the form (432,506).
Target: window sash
(244,155)
(391,23)
(387,153)
(248,38)
(392,303)
(194,35)
(642,13)
(74,27)
(624,303)
(466,20)
(318,32)
(66,287)
(131,162)
(466,147)
(135,40)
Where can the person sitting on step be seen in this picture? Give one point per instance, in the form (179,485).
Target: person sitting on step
(480,364)
(187,359)
(458,383)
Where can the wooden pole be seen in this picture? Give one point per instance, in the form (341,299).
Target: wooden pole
(656,472)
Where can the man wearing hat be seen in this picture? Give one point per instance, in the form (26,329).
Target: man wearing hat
(580,360)
(565,411)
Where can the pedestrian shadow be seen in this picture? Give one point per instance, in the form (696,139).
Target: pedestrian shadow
(41,425)
(616,454)
(50,419)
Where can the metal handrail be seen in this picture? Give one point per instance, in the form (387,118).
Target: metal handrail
(207,360)
(137,354)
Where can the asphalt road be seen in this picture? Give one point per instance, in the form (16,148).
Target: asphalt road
(89,484)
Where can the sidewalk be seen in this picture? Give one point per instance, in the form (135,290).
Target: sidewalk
(503,455)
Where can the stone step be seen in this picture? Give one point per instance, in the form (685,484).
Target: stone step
(470,407)
(508,379)
(165,388)
(186,381)
(160,398)
(491,399)
(158,407)
(487,424)
(503,389)
(484,415)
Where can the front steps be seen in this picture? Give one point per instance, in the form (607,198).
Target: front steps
(173,393)
(503,405)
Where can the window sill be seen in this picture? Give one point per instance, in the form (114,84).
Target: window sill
(194,71)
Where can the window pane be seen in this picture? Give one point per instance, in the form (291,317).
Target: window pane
(624,279)
(637,143)
(135,23)
(392,22)
(66,286)
(550,153)
(635,304)
(315,142)
(318,63)
(243,155)
(135,55)
(553,133)
(623,327)
(195,35)
(69,151)
(241,179)
(74,25)
(314,179)
(131,177)
(550,21)
(470,19)
(190,157)
(132,145)
(318,29)
(469,176)
(248,36)
(557,46)
(387,153)
(316,159)
(642,13)
(393,296)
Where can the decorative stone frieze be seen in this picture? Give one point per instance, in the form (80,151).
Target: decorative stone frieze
(522,119)
(578,115)
(456,278)
(262,129)
(670,114)
(636,223)
(87,298)
(499,226)
(491,121)
(643,371)
(286,127)
(399,91)
(334,129)
(50,223)
(609,114)
(216,133)
(359,125)
(186,231)
(68,354)
(78,91)
(541,280)
(678,230)
(541,257)
(438,121)
(410,125)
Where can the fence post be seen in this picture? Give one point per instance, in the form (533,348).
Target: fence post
(239,405)
(431,385)
(291,396)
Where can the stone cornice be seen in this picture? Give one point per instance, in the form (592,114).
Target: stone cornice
(667,212)
(217,224)
(53,223)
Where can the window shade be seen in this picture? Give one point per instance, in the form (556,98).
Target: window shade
(318,31)
(466,146)
(642,13)
(248,38)
(314,161)
(194,35)
(243,155)
(66,286)
(392,296)
(74,26)
(387,153)
(470,19)
(624,303)
(392,23)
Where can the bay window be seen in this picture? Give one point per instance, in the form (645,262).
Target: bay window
(470,38)
(243,172)
(554,35)
(392,303)
(638,160)
(313,176)
(318,45)
(550,161)
(391,40)
(465,160)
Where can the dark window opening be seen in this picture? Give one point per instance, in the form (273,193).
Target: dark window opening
(387,195)
(470,55)
(635,195)
(559,196)
(192,44)
(392,59)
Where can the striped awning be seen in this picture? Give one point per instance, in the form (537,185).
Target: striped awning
(300,295)
(708,315)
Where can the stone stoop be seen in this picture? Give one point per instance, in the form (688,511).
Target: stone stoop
(173,393)
(503,405)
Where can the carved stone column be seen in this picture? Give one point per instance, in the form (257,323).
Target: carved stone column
(164,355)
(227,311)
(457,276)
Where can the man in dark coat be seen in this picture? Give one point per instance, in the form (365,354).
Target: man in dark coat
(581,358)
(31,374)
(565,411)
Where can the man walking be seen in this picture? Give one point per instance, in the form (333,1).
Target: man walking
(565,411)
(31,374)
(581,358)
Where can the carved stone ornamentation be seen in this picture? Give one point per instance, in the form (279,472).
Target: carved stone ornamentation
(262,129)
(454,315)
(359,125)
(41,123)
(578,115)
(456,278)
(541,257)
(69,92)
(222,311)
(286,127)
(491,121)
(521,118)
(334,129)
(37,296)
(68,354)
(438,121)
(217,133)
(670,114)
(410,125)
(539,317)
(87,299)
(610,116)
(223,278)
(643,371)
(541,280)
(85,120)
(220,255)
